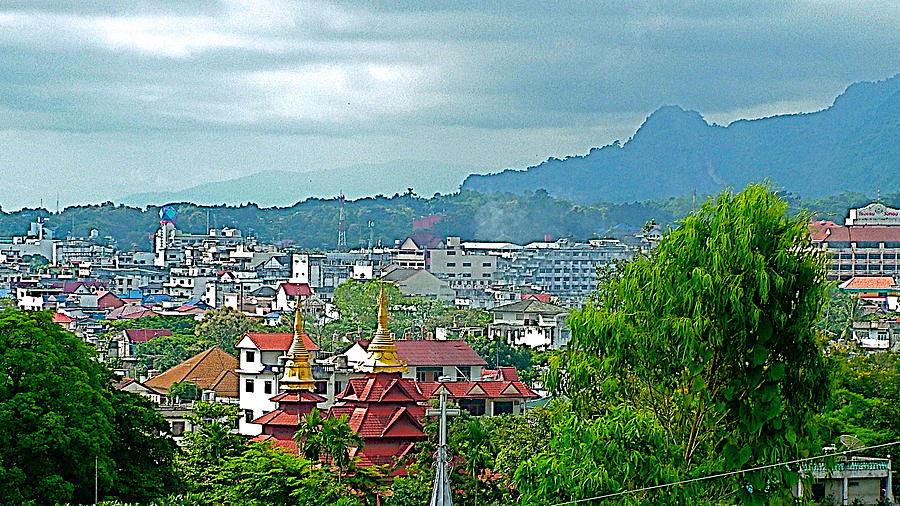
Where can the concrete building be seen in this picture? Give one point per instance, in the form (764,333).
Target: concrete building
(420,283)
(869,244)
(530,322)
(857,480)
(565,269)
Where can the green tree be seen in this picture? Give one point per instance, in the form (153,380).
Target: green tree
(63,420)
(307,436)
(837,313)
(145,462)
(183,391)
(212,440)
(224,326)
(165,352)
(708,341)
(332,437)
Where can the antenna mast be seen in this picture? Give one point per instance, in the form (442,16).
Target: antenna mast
(342,227)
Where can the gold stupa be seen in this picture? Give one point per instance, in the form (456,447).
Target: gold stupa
(382,350)
(297,370)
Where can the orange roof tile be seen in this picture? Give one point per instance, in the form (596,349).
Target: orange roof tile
(208,370)
(868,283)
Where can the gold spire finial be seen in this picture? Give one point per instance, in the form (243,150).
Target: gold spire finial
(297,369)
(382,350)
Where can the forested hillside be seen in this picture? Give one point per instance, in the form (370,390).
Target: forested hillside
(851,145)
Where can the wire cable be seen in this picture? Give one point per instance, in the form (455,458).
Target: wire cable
(722,475)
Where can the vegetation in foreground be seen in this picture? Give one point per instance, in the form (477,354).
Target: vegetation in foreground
(699,358)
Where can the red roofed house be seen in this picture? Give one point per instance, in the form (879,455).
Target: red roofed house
(124,344)
(496,393)
(65,321)
(259,370)
(879,290)
(287,294)
(108,300)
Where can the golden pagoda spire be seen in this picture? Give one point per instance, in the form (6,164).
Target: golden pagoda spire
(297,369)
(382,350)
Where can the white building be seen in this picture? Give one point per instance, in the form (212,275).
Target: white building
(261,361)
(532,323)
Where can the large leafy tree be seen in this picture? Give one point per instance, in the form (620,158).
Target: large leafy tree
(708,341)
(224,326)
(62,421)
(212,440)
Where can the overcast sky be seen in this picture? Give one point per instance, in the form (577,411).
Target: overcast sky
(103,98)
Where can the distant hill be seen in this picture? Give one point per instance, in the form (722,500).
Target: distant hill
(854,145)
(286,188)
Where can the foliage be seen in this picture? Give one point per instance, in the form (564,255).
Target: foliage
(165,352)
(145,462)
(211,441)
(61,414)
(707,344)
(184,391)
(497,352)
(224,326)
(837,313)
(177,324)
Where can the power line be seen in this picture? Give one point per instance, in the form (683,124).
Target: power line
(722,475)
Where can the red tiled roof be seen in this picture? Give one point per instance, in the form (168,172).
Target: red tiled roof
(62,318)
(295,289)
(480,389)
(144,335)
(382,388)
(383,420)
(278,341)
(108,300)
(287,444)
(868,282)
(543,297)
(129,312)
(830,232)
(435,353)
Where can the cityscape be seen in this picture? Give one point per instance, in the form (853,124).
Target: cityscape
(262,252)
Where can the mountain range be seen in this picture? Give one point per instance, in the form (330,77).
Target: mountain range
(284,188)
(853,145)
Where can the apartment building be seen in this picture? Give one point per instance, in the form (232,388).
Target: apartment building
(867,245)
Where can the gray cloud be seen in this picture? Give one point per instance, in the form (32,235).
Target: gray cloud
(291,85)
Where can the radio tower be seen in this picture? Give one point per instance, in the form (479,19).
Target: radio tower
(342,228)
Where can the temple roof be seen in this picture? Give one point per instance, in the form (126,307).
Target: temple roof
(382,350)
(382,388)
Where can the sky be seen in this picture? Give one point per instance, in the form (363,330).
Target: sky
(104,98)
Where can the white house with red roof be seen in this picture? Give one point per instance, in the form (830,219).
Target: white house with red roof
(260,367)
(287,294)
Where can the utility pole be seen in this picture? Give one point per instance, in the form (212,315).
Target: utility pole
(440,492)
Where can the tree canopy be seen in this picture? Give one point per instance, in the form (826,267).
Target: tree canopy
(61,415)
(708,345)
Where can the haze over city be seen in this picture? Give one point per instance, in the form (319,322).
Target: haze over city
(104,99)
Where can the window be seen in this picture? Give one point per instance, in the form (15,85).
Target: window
(475,407)
(465,371)
(249,356)
(428,373)
(485,264)
(467,275)
(338,387)
(267,387)
(177,428)
(248,415)
(451,264)
(467,264)
(503,408)
(450,253)
(248,386)
(486,275)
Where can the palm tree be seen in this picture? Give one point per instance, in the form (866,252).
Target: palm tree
(308,436)
(337,438)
